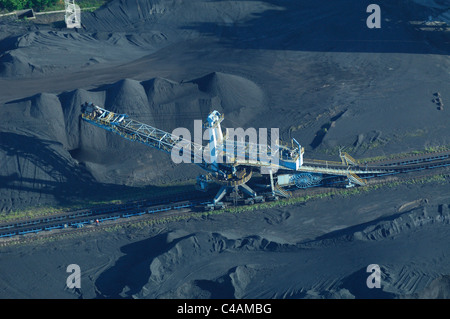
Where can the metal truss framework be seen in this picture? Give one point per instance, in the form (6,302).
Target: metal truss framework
(229,152)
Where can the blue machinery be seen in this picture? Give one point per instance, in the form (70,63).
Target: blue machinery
(231,163)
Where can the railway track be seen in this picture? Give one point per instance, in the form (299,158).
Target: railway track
(332,174)
(80,218)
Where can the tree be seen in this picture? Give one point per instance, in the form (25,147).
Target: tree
(12,5)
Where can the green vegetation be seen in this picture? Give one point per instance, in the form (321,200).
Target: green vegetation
(133,194)
(343,192)
(11,5)
(438,179)
(126,195)
(47,5)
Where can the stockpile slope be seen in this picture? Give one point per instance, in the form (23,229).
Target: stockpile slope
(118,32)
(69,145)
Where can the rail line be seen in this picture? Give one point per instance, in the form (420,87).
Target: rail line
(80,218)
(398,164)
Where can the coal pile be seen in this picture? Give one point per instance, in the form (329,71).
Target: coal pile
(314,70)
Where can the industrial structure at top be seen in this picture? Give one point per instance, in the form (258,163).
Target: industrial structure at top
(231,163)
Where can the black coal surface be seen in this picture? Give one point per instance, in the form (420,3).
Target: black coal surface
(312,69)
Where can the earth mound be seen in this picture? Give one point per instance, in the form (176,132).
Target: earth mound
(180,254)
(158,102)
(14,64)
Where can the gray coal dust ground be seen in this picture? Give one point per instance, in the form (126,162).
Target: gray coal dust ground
(310,68)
